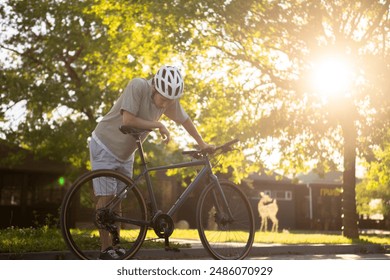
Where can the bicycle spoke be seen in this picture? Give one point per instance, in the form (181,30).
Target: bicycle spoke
(223,236)
(83,226)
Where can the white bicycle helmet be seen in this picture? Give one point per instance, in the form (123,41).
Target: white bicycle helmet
(169,82)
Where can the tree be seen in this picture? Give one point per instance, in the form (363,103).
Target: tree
(376,184)
(53,49)
(68,61)
(65,65)
(269,51)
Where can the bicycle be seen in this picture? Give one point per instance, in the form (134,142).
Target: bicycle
(224,216)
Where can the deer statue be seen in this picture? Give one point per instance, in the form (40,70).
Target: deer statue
(211,224)
(268,209)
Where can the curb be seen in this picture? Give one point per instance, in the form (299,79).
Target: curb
(200,253)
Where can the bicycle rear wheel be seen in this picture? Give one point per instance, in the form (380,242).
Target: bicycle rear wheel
(79,225)
(222,237)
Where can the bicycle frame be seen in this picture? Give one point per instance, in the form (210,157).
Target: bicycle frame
(205,172)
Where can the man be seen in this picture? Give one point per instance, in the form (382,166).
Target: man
(141,105)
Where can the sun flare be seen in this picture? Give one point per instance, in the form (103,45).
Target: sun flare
(331,76)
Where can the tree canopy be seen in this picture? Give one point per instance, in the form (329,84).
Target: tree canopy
(376,184)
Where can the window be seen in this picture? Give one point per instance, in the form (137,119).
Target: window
(10,195)
(279,195)
(10,189)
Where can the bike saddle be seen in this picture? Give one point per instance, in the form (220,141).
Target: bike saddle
(136,132)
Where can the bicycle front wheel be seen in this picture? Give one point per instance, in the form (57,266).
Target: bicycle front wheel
(224,236)
(82,231)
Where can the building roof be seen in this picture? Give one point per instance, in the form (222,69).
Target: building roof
(330,178)
(333,177)
(269,176)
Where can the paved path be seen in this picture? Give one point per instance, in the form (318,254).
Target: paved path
(259,251)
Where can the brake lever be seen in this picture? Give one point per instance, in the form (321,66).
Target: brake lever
(193,154)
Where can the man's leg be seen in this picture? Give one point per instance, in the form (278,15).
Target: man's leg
(105,238)
(105,189)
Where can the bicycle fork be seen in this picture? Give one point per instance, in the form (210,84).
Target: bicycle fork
(218,192)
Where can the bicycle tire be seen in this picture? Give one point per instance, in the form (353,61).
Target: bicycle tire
(224,239)
(78,216)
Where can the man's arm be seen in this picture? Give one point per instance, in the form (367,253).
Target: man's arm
(133,121)
(191,129)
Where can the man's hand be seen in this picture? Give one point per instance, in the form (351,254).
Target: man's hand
(207,147)
(164,133)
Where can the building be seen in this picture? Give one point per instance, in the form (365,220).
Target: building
(324,199)
(31,189)
(312,203)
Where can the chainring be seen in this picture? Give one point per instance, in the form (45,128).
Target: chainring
(163,225)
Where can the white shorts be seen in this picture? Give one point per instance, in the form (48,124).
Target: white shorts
(102,159)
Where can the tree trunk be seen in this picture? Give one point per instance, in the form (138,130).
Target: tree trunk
(350,217)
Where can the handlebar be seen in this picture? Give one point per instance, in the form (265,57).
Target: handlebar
(224,148)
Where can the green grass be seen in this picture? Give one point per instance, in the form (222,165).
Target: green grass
(317,238)
(298,237)
(21,240)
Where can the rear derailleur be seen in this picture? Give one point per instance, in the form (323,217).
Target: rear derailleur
(105,220)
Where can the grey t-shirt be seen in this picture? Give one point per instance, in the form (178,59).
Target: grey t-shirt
(137,100)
